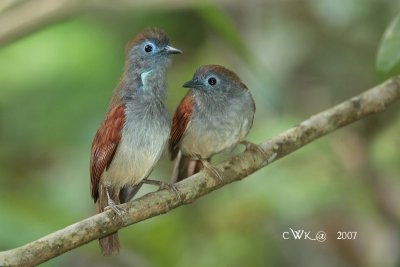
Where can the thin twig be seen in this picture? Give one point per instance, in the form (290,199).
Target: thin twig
(19,18)
(29,16)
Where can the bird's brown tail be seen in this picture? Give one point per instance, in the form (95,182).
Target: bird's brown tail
(110,243)
(185,166)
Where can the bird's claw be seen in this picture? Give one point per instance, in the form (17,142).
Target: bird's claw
(163,185)
(253,147)
(170,187)
(118,211)
(214,171)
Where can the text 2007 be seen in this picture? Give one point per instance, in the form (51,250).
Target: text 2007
(346,235)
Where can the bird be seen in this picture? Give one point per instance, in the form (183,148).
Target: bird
(135,131)
(214,116)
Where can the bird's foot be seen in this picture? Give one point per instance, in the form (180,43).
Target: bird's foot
(214,171)
(163,185)
(171,187)
(253,147)
(118,211)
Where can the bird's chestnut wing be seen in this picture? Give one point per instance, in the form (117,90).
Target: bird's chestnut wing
(180,123)
(104,146)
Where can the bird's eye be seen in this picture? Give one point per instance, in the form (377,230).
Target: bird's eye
(212,81)
(148,48)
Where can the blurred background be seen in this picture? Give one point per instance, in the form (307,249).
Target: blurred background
(60,61)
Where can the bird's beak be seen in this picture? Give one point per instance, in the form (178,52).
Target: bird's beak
(171,50)
(192,84)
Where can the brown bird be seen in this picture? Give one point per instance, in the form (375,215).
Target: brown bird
(135,131)
(213,117)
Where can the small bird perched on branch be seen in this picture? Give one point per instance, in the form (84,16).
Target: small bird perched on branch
(213,117)
(135,130)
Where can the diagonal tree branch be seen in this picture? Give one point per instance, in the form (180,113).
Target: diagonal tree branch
(19,18)
(372,101)
(27,16)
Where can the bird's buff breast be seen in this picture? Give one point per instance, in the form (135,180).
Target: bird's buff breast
(140,148)
(218,129)
(215,138)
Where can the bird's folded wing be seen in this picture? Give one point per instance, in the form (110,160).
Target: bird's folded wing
(104,146)
(180,123)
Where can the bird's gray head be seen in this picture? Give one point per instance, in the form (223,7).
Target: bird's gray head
(214,79)
(149,50)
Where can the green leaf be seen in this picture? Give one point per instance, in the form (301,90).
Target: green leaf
(388,58)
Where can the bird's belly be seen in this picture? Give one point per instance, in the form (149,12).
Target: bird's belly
(210,141)
(128,168)
(135,157)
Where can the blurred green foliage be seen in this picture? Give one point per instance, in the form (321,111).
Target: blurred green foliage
(297,58)
(388,60)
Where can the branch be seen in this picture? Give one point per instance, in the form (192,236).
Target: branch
(372,101)
(29,16)
(19,18)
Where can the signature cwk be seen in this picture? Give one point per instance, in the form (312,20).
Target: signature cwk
(304,235)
